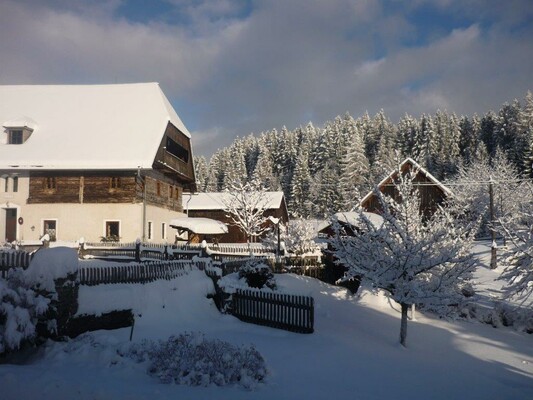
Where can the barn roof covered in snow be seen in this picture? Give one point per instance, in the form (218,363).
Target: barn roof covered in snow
(202,226)
(351,218)
(84,126)
(218,200)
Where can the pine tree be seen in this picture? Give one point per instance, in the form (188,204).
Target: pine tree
(201,172)
(300,188)
(354,168)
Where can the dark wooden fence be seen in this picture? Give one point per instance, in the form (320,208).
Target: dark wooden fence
(137,251)
(13,259)
(282,311)
(134,272)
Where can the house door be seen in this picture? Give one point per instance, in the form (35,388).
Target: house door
(11,224)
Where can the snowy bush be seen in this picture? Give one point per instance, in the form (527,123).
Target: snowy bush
(257,274)
(191,359)
(20,308)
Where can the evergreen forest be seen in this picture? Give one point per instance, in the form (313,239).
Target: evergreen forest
(323,170)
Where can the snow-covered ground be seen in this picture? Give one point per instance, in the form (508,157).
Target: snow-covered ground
(354,352)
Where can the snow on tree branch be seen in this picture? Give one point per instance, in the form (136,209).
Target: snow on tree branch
(418,260)
(246,205)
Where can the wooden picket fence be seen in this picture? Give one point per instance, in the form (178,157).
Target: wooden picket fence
(282,311)
(13,259)
(91,275)
(115,251)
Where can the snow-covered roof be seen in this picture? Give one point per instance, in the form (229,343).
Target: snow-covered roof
(217,200)
(417,167)
(353,218)
(21,122)
(205,226)
(85,126)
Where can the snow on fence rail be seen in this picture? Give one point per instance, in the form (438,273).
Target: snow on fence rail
(137,251)
(241,248)
(282,311)
(135,272)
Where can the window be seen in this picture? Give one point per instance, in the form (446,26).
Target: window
(158,187)
(170,191)
(177,150)
(114,182)
(6,185)
(112,231)
(15,137)
(150,232)
(50,229)
(50,183)
(163,230)
(15,184)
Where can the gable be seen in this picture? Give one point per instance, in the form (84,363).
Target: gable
(174,156)
(432,191)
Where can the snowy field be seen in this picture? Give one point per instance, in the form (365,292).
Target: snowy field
(353,354)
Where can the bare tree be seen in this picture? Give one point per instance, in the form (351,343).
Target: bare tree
(245,205)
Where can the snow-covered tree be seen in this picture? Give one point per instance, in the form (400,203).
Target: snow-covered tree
(300,237)
(416,260)
(471,188)
(245,206)
(20,309)
(519,261)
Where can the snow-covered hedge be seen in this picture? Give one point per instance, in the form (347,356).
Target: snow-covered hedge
(501,314)
(191,359)
(20,309)
(257,274)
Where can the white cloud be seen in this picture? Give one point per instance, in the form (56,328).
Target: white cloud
(237,70)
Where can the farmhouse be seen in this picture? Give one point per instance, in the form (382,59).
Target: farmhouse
(212,205)
(432,192)
(102,162)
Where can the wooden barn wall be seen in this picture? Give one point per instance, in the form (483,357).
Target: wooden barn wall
(430,196)
(97,188)
(234,235)
(163,158)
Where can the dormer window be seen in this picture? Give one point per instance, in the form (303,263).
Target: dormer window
(19,130)
(15,136)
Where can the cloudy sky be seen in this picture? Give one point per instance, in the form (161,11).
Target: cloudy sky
(233,67)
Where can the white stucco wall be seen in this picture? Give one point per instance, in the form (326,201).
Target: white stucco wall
(11,199)
(74,221)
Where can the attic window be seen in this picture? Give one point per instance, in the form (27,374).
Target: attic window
(16,136)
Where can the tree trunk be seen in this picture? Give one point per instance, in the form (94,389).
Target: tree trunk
(403,328)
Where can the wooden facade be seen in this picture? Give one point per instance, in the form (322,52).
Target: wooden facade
(432,192)
(235,235)
(164,185)
(174,157)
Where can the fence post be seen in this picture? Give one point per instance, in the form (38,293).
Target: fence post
(138,251)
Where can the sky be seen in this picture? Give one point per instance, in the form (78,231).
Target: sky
(235,67)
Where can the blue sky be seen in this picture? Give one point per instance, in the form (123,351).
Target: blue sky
(233,67)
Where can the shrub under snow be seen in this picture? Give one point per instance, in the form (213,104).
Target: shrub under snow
(20,308)
(257,274)
(191,359)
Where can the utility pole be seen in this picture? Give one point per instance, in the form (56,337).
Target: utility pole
(142,180)
(494,246)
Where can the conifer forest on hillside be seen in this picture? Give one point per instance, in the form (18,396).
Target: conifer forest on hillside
(322,170)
